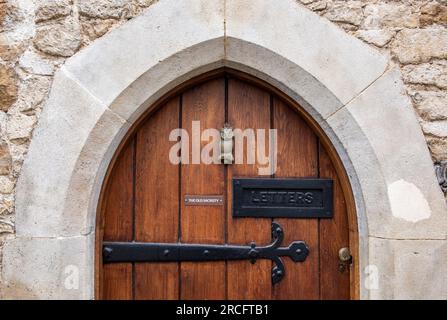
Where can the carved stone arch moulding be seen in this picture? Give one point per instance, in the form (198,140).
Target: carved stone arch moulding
(350,90)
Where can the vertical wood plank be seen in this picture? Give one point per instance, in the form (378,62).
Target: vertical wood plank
(118,224)
(297,157)
(118,218)
(248,108)
(117,281)
(157,201)
(203,224)
(334,234)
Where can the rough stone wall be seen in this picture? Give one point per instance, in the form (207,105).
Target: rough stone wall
(36,36)
(414,34)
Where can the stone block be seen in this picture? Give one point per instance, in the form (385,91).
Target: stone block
(48,268)
(401,202)
(124,54)
(345,65)
(66,123)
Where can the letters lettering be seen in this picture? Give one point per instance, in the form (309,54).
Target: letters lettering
(289,198)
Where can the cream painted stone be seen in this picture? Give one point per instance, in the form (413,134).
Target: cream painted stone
(47,268)
(420,45)
(376,37)
(143,42)
(68,118)
(408,202)
(345,65)
(382,112)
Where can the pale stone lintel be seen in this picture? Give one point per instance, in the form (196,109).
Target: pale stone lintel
(405,269)
(86,90)
(74,132)
(124,54)
(48,268)
(343,64)
(164,76)
(383,139)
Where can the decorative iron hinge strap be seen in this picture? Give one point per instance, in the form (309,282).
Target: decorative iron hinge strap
(165,252)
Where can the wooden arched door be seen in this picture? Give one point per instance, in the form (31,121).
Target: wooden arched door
(145,200)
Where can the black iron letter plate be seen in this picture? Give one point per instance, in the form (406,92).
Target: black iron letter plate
(282,198)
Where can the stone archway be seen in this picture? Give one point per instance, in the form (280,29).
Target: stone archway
(351,91)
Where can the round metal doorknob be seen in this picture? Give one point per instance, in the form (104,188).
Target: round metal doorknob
(344,254)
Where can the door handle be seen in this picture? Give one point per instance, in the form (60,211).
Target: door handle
(344,255)
(344,258)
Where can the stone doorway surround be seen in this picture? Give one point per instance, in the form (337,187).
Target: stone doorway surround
(351,90)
